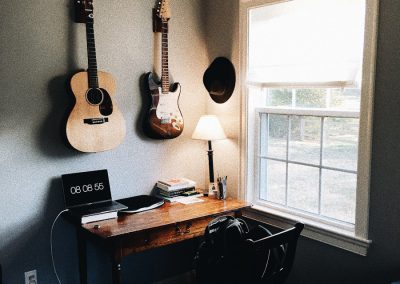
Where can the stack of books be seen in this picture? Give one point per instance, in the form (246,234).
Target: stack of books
(175,187)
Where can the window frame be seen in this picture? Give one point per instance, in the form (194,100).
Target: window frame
(352,240)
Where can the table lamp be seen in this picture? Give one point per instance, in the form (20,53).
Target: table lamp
(209,128)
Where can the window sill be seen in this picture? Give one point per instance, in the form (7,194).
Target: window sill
(324,233)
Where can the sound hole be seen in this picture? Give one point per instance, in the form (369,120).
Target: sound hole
(94,96)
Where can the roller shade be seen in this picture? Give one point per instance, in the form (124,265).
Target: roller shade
(307,42)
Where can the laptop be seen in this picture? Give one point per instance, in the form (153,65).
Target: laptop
(89,193)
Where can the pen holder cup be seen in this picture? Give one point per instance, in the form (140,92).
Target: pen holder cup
(221,193)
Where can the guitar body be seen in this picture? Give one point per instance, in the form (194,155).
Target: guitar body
(95,123)
(164,119)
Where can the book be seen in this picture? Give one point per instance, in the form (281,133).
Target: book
(98,217)
(190,200)
(190,192)
(175,192)
(178,198)
(169,199)
(175,183)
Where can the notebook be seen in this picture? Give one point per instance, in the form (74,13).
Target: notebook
(141,203)
(88,194)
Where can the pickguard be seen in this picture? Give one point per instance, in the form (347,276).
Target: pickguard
(167,109)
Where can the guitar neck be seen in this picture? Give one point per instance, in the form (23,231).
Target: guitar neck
(164,57)
(91,51)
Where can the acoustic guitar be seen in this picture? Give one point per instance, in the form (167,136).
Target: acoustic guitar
(164,119)
(95,123)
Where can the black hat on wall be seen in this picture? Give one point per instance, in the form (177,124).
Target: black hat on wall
(219,79)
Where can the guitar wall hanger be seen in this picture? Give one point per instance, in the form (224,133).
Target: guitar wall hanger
(156,22)
(80,12)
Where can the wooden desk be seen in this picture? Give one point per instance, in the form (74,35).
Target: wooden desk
(131,233)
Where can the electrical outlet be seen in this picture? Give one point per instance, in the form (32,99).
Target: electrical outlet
(31,277)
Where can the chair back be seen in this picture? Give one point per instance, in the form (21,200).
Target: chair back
(285,241)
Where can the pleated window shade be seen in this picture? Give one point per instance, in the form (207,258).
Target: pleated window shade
(306,43)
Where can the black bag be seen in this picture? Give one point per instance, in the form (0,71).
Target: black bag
(223,256)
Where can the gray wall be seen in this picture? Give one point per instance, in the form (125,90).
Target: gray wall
(40,49)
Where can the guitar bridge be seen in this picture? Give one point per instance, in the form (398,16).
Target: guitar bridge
(93,121)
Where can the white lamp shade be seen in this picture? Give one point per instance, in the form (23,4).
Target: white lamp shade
(209,128)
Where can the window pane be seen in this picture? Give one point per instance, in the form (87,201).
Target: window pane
(346,99)
(305,139)
(277,136)
(314,98)
(274,187)
(279,97)
(303,188)
(340,143)
(330,98)
(338,195)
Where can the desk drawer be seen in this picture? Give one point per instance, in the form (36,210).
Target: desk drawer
(163,236)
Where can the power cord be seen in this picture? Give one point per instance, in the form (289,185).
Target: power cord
(51,243)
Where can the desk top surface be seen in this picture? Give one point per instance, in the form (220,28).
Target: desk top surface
(169,213)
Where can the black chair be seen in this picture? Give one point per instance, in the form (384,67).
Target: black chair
(271,258)
(231,253)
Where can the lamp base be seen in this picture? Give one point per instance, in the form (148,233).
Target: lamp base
(212,189)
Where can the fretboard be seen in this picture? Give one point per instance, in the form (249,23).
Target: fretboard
(91,50)
(164,57)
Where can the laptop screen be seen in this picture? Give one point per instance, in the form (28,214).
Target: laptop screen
(86,187)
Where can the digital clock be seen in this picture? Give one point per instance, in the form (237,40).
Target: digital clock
(86,187)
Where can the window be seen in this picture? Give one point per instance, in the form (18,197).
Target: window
(308,99)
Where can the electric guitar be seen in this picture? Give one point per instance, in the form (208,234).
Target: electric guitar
(95,123)
(164,119)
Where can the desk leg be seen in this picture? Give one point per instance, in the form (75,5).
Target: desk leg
(82,258)
(116,270)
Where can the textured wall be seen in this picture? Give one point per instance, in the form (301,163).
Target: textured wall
(40,48)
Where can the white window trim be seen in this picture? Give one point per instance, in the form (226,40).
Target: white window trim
(356,241)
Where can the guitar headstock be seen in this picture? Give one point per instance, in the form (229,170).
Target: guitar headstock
(163,10)
(83,8)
